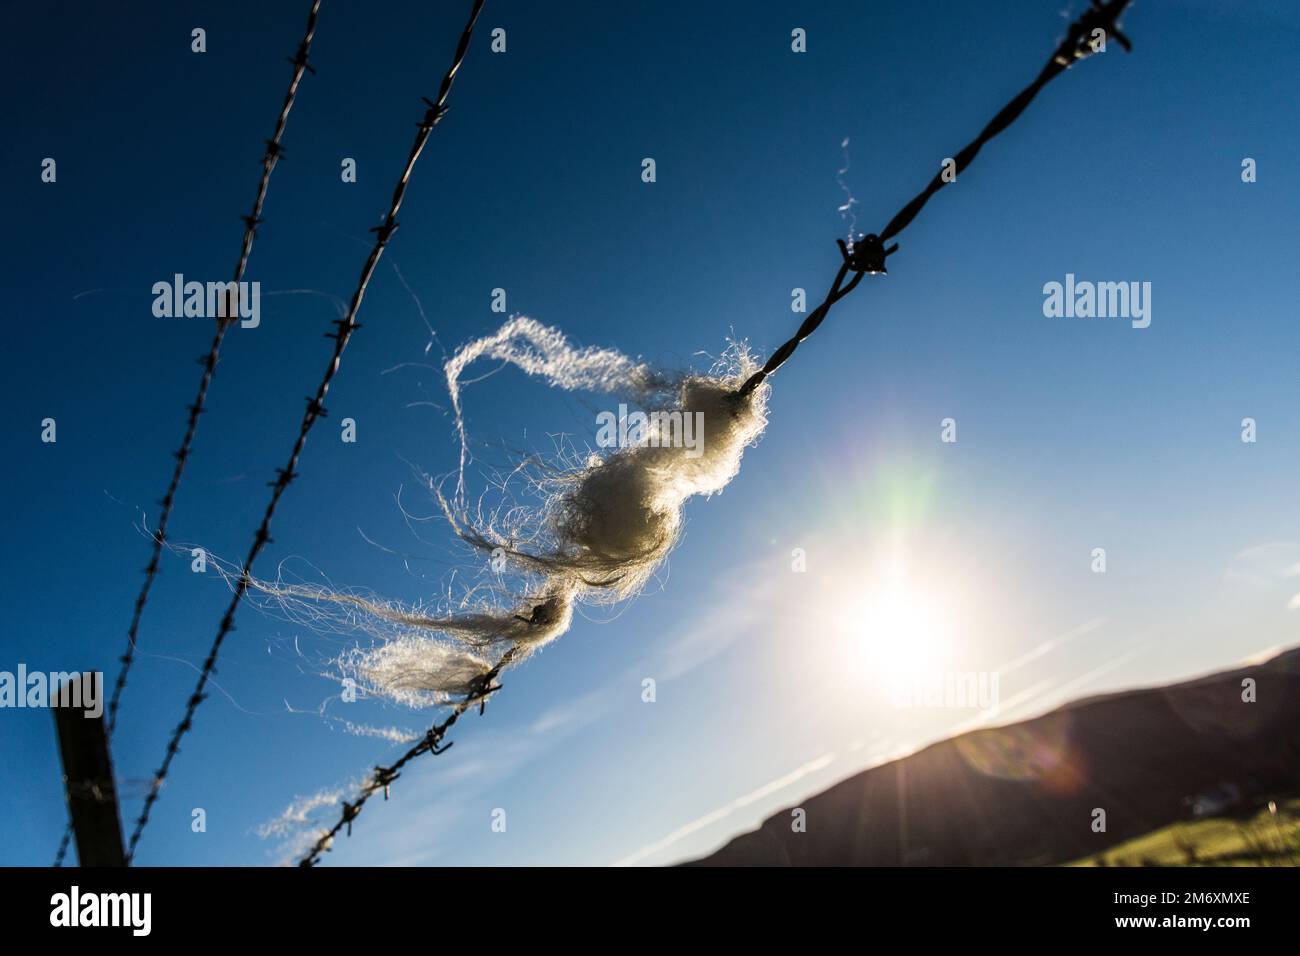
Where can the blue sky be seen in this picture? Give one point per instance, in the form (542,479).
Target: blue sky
(1073,434)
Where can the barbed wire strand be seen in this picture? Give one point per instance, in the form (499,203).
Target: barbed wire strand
(315,410)
(383,776)
(274,152)
(1074,47)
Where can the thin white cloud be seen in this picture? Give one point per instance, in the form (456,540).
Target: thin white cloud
(726,810)
(574,713)
(1051,645)
(1065,690)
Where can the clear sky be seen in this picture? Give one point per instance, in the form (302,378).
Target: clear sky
(1073,434)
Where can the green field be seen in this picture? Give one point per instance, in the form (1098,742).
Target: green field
(1269,838)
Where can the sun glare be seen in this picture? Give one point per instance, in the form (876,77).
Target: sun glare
(899,629)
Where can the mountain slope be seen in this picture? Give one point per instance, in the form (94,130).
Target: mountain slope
(1025,793)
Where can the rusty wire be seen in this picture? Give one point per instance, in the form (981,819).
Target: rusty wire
(1102,15)
(274,153)
(315,410)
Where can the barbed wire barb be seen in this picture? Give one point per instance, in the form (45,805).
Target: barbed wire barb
(866,257)
(315,410)
(1077,45)
(274,152)
(432,743)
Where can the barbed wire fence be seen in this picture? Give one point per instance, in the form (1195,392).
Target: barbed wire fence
(274,153)
(346,326)
(865,256)
(382,777)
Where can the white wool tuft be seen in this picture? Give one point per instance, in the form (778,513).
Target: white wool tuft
(591,532)
(541,350)
(414,670)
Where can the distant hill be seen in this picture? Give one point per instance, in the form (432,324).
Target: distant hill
(1023,794)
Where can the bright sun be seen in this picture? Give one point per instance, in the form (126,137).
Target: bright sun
(899,629)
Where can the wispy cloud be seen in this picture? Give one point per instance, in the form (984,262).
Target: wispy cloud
(721,813)
(1055,643)
(574,713)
